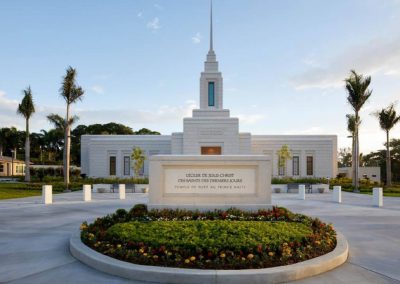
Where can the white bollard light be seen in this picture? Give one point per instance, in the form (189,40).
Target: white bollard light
(377,196)
(302,191)
(337,194)
(121,191)
(47,194)
(87,192)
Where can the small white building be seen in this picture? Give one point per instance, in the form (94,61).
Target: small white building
(371,173)
(210,131)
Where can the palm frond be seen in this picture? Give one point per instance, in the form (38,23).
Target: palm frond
(27,107)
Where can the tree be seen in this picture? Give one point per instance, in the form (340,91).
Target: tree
(358,93)
(283,155)
(3,139)
(60,126)
(26,108)
(344,157)
(351,128)
(145,131)
(71,93)
(388,118)
(138,158)
(13,140)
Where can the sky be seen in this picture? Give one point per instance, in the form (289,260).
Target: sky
(139,61)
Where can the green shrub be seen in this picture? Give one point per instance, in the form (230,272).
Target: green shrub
(208,235)
(231,239)
(286,180)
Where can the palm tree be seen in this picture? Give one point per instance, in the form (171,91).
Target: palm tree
(60,125)
(71,93)
(138,157)
(351,128)
(358,93)
(26,108)
(388,118)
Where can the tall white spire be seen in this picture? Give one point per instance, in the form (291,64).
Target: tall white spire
(211,54)
(211,27)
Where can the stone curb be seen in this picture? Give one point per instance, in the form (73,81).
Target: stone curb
(159,274)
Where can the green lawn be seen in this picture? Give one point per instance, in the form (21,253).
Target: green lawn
(9,191)
(392,191)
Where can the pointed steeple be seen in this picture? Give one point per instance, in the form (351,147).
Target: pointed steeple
(211,57)
(211,27)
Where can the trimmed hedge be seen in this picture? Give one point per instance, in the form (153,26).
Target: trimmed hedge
(231,239)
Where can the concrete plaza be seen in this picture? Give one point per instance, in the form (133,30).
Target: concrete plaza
(34,237)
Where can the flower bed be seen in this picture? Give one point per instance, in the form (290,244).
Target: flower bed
(231,239)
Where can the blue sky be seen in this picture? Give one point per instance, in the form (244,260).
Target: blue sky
(283,62)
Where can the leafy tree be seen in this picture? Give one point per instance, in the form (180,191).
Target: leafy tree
(358,93)
(71,93)
(344,157)
(26,108)
(3,140)
(14,138)
(145,131)
(388,118)
(284,154)
(138,158)
(53,144)
(61,126)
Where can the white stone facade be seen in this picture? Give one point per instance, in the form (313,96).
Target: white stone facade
(96,150)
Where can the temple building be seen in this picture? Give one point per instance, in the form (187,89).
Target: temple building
(210,131)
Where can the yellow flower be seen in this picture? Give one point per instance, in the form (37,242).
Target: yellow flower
(222,255)
(317,243)
(118,246)
(243,258)
(141,250)
(169,253)
(145,254)
(83,227)
(250,256)
(187,260)
(271,253)
(155,256)
(192,258)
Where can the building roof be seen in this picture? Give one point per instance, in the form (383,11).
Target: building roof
(9,159)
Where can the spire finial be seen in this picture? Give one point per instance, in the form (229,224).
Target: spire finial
(211,27)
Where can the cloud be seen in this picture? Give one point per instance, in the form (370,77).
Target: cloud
(313,130)
(140,14)
(393,72)
(376,56)
(97,89)
(249,118)
(6,103)
(197,38)
(154,24)
(164,118)
(9,116)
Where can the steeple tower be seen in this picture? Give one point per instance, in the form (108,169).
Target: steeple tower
(211,29)
(211,78)
(211,57)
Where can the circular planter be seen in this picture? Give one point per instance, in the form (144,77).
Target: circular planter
(183,275)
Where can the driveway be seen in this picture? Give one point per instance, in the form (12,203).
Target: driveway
(34,237)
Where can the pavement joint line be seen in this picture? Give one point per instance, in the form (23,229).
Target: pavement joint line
(39,272)
(373,271)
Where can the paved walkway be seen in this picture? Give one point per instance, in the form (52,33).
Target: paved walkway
(34,237)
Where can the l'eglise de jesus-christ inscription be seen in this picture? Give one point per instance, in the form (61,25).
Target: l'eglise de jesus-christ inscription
(210,180)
